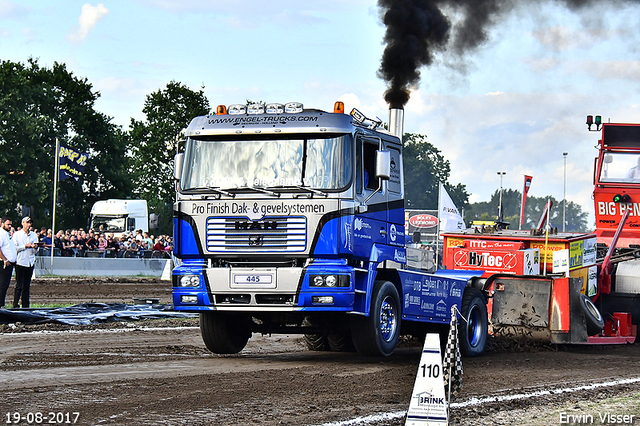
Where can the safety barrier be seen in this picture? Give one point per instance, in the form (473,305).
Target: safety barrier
(102,266)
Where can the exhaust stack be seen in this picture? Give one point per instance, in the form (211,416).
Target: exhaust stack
(396,122)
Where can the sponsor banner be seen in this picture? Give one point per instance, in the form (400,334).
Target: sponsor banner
(424,222)
(589,277)
(548,253)
(248,120)
(395,182)
(608,213)
(589,257)
(531,264)
(561,262)
(592,285)
(494,261)
(576,254)
(256,210)
(525,191)
(453,242)
(72,163)
(504,245)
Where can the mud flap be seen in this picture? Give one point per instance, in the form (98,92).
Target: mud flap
(521,307)
(539,308)
(521,302)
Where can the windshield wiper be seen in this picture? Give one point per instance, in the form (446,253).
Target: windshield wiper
(257,189)
(304,188)
(215,189)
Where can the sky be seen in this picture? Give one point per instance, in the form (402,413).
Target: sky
(513,105)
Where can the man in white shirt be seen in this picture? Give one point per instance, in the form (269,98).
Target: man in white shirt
(8,256)
(26,243)
(634,172)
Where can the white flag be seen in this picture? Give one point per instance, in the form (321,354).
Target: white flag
(450,217)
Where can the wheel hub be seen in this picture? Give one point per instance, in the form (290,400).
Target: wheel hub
(388,320)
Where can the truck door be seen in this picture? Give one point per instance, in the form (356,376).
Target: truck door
(371,225)
(395,196)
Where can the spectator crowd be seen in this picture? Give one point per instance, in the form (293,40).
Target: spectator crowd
(81,243)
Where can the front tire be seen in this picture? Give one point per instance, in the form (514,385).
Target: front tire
(474,325)
(224,333)
(314,342)
(377,334)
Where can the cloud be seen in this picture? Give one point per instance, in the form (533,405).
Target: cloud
(88,19)
(540,65)
(558,38)
(619,70)
(520,133)
(562,39)
(9,9)
(248,15)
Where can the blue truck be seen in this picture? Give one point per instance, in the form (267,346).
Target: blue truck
(291,220)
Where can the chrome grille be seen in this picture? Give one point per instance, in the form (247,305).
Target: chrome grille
(270,234)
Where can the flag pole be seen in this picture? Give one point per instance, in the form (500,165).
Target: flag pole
(521,209)
(55,197)
(546,237)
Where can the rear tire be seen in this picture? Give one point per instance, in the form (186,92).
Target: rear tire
(592,316)
(473,327)
(224,333)
(341,342)
(377,334)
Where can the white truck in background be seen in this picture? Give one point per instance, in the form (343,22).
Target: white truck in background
(117,216)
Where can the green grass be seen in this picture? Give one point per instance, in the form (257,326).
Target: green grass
(50,305)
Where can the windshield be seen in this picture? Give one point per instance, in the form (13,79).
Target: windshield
(108,223)
(229,164)
(619,167)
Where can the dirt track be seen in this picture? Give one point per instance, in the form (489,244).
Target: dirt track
(158,372)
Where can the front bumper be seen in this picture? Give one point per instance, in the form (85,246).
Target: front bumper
(284,289)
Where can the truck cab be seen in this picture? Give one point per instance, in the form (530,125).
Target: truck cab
(617,183)
(117,216)
(291,220)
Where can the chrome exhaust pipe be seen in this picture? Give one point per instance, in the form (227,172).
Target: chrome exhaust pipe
(396,122)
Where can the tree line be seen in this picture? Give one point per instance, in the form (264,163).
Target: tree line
(425,166)
(39,104)
(576,219)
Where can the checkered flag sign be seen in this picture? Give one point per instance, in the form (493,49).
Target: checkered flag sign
(452,362)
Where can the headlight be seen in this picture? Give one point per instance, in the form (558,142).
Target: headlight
(329,281)
(190,281)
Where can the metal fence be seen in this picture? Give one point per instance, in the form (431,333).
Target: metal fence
(103,266)
(108,253)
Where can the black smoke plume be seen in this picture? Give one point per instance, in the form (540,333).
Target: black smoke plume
(417,30)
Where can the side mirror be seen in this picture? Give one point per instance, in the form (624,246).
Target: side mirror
(383,171)
(177,166)
(383,164)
